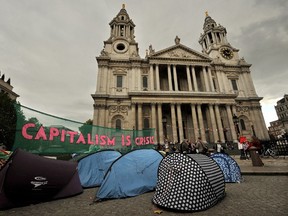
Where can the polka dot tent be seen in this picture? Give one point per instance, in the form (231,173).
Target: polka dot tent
(229,167)
(191,182)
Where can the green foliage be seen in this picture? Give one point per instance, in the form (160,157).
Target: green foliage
(8,120)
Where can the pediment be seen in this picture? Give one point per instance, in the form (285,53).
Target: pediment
(179,52)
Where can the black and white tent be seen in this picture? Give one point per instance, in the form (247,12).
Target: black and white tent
(192,182)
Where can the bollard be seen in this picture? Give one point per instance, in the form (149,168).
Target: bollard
(256,160)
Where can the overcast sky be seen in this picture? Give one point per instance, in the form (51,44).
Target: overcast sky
(48,47)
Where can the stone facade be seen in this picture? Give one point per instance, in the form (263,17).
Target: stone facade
(5,86)
(282,113)
(182,93)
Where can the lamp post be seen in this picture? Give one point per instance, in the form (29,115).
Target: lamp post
(236,124)
(164,121)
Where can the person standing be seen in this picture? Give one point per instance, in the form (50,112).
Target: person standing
(219,147)
(192,147)
(201,147)
(184,147)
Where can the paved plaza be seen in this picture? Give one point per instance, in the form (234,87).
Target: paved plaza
(262,192)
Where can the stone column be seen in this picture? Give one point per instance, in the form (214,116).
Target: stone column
(175,78)
(103,79)
(205,79)
(241,86)
(220,81)
(140,124)
(219,123)
(157,78)
(95,120)
(169,78)
(151,75)
(201,124)
(227,83)
(133,115)
(211,79)
(139,79)
(195,122)
(263,125)
(108,120)
(231,123)
(116,30)
(251,85)
(98,79)
(154,120)
(213,122)
(194,79)
(247,84)
(96,115)
(234,111)
(189,78)
(258,118)
(102,115)
(160,124)
(173,122)
(222,84)
(180,125)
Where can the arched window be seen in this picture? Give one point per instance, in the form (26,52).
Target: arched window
(118,125)
(242,123)
(145,82)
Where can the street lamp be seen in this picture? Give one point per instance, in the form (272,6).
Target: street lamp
(236,124)
(164,121)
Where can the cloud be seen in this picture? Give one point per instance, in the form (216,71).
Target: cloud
(48,48)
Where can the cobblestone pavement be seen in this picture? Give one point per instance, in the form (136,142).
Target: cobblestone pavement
(271,166)
(265,193)
(256,195)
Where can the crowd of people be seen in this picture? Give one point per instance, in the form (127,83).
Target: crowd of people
(188,147)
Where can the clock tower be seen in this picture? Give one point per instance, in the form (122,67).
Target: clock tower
(177,92)
(214,42)
(121,43)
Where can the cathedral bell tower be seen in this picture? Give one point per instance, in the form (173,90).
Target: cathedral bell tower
(121,43)
(214,41)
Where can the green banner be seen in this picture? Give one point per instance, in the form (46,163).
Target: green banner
(41,133)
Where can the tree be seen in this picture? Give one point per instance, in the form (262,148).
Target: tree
(9,110)
(86,127)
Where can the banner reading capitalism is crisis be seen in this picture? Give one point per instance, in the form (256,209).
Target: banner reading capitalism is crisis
(41,133)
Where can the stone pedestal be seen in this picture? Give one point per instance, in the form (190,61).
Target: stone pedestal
(256,160)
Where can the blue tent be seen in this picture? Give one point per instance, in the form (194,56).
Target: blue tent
(130,175)
(229,167)
(92,168)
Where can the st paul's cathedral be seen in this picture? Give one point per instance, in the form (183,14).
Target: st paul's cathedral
(182,93)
